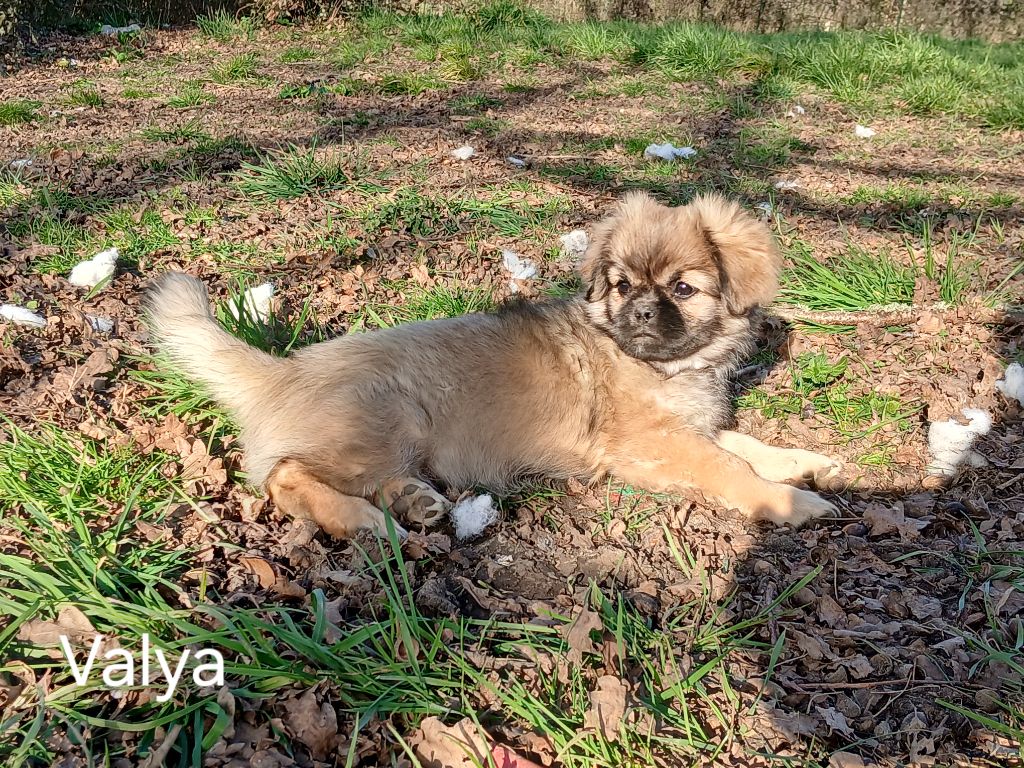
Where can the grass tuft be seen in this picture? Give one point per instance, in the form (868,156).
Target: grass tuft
(854,281)
(19,111)
(290,173)
(223,27)
(235,69)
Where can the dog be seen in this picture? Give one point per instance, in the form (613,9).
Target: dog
(628,378)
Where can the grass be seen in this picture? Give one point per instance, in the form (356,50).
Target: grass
(180,134)
(85,94)
(190,94)
(72,241)
(236,69)
(80,520)
(19,111)
(821,388)
(290,173)
(297,54)
(445,300)
(856,280)
(224,27)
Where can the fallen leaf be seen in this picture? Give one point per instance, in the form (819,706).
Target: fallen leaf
(455,746)
(261,569)
(607,707)
(577,634)
(315,726)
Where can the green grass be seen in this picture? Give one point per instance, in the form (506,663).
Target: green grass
(297,54)
(290,173)
(19,111)
(472,104)
(443,300)
(408,84)
(236,69)
(180,134)
(190,94)
(822,389)
(13,189)
(72,241)
(224,27)
(85,94)
(854,280)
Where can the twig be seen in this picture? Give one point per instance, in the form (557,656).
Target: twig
(897,314)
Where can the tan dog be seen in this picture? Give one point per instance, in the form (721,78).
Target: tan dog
(628,379)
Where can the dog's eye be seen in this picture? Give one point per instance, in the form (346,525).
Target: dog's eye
(623,286)
(685,290)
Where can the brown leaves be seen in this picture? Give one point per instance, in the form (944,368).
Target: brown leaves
(313,725)
(462,745)
(607,707)
(577,634)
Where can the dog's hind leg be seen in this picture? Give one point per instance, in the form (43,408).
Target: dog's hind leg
(300,493)
(781,465)
(415,500)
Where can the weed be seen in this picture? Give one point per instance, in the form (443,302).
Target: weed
(409,83)
(191,94)
(186,132)
(290,173)
(696,52)
(422,304)
(296,54)
(240,67)
(18,111)
(223,27)
(855,280)
(85,94)
(471,104)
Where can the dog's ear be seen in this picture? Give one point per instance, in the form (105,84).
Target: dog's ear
(745,252)
(634,206)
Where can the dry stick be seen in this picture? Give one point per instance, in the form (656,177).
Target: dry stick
(897,314)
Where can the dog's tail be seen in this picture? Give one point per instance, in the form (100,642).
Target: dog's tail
(185,329)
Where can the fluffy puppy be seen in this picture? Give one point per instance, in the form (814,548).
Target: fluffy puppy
(629,378)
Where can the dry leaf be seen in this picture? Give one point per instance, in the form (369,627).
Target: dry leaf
(261,569)
(577,634)
(607,707)
(315,726)
(457,746)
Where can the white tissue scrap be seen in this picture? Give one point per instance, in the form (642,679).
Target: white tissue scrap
(110,31)
(21,165)
(863,132)
(22,316)
(575,243)
(518,162)
(518,266)
(464,152)
(472,515)
(795,111)
(787,184)
(100,324)
(949,442)
(91,272)
(766,208)
(256,302)
(1012,383)
(668,152)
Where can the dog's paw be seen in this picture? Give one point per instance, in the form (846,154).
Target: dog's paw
(415,501)
(794,506)
(791,465)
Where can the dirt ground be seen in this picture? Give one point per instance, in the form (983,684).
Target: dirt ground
(911,612)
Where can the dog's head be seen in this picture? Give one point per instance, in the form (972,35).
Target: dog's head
(672,285)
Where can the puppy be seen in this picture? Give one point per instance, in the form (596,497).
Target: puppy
(629,378)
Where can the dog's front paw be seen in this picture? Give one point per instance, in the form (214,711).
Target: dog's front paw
(415,501)
(796,464)
(793,506)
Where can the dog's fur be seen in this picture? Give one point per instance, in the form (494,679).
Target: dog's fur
(629,378)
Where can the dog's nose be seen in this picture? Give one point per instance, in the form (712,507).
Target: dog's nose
(643,315)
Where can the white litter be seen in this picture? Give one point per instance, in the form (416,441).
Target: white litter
(863,132)
(21,165)
(575,243)
(668,152)
(766,208)
(91,272)
(472,515)
(110,31)
(256,302)
(100,324)
(518,162)
(787,184)
(518,266)
(1012,383)
(949,442)
(22,316)
(464,152)
(798,110)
